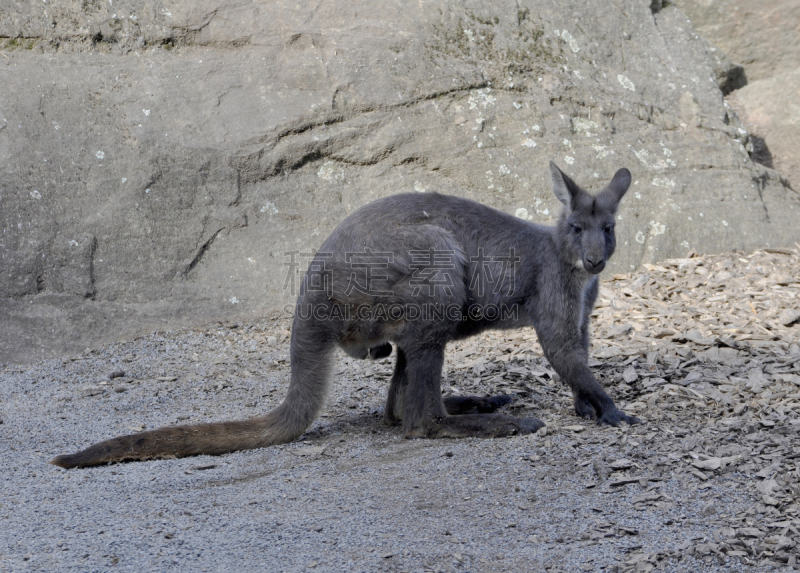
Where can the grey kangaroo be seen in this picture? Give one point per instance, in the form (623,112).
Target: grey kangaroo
(418,271)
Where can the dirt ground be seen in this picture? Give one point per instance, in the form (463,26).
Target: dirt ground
(703,350)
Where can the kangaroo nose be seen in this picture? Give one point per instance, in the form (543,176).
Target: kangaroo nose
(594,264)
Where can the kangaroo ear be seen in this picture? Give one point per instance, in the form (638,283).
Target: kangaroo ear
(564,188)
(619,184)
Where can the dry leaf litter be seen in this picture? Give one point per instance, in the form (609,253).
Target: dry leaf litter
(705,351)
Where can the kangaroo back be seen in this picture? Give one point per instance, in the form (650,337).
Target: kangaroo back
(311,350)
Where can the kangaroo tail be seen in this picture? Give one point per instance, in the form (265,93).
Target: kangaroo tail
(311,366)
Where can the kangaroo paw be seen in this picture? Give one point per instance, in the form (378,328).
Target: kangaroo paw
(457,405)
(475,426)
(613,417)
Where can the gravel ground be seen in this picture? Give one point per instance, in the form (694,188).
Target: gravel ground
(704,350)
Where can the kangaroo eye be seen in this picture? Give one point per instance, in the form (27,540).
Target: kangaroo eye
(576,229)
(609,229)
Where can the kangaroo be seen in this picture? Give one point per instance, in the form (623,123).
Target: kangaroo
(417,271)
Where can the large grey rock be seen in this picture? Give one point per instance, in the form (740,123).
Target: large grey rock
(766,39)
(770,109)
(763,36)
(159,159)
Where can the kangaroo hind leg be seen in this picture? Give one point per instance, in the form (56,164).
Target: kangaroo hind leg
(425,414)
(393,413)
(454,405)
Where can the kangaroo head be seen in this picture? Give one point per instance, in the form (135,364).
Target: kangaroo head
(585,229)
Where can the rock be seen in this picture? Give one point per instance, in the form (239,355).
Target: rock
(730,76)
(767,486)
(170,166)
(770,110)
(763,37)
(714,463)
(623,464)
(693,376)
(789,316)
(89,391)
(575,428)
(308,450)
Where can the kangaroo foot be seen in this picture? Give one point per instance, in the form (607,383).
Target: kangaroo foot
(457,405)
(460,405)
(615,416)
(474,426)
(610,414)
(389,419)
(584,408)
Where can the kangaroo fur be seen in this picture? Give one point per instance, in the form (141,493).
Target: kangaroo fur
(419,270)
